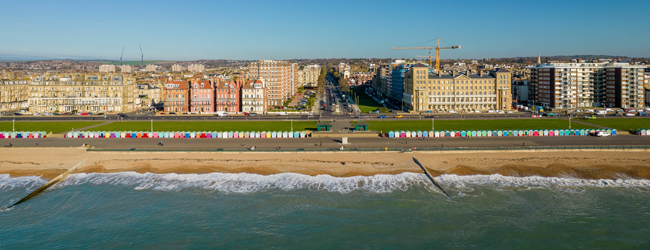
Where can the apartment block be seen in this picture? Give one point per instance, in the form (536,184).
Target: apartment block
(151,68)
(576,85)
(102,92)
(177,93)
(126,68)
(466,92)
(278,79)
(308,76)
(201,96)
(196,68)
(254,97)
(107,68)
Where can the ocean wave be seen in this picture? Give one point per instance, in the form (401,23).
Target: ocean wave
(250,183)
(7,182)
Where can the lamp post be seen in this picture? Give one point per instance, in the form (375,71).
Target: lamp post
(432,125)
(291,125)
(13,125)
(151,125)
(569,121)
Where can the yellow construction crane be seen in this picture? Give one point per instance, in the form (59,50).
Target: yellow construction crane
(437,48)
(429,56)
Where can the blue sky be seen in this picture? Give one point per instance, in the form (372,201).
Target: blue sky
(192,30)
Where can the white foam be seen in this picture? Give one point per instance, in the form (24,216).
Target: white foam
(26,182)
(250,183)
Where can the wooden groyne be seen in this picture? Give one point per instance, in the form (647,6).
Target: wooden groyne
(49,184)
(426,172)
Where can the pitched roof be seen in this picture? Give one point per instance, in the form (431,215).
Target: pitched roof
(500,70)
(419,65)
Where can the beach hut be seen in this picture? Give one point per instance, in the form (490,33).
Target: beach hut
(247,135)
(414,134)
(463,133)
(213,134)
(425,134)
(291,134)
(241,134)
(551,133)
(285,134)
(613,131)
(256,135)
(489,133)
(535,133)
(302,134)
(274,134)
(235,135)
(402,134)
(436,133)
(268,134)
(420,134)
(545,132)
(391,134)
(499,133)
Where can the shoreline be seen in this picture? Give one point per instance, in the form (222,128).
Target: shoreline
(585,164)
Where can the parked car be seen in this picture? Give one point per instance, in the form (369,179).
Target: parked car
(100,113)
(67,113)
(122,115)
(501,112)
(630,114)
(18,114)
(37,114)
(246,113)
(252,114)
(429,112)
(453,112)
(510,112)
(643,113)
(172,113)
(590,117)
(84,114)
(491,111)
(399,116)
(548,114)
(382,116)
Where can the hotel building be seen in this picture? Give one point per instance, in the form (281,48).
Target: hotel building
(425,91)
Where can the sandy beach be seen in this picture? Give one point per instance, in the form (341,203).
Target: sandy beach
(49,162)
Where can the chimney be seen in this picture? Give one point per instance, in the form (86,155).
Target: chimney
(480,73)
(453,73)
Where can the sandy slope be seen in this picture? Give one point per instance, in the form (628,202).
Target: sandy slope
(49,162)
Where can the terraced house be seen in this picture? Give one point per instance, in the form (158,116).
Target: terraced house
(201,96)
(177,96)
(14,94)
(228,96)
(81,93)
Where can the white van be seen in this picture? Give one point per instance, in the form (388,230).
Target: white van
(282,113)
(222,114)
(600,112)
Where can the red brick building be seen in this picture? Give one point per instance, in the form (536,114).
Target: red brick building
(228,96)
(201,96)
(177,96)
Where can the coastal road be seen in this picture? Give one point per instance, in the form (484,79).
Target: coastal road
(620,140)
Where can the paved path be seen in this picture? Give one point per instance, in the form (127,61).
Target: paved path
(89,127)
(376,143)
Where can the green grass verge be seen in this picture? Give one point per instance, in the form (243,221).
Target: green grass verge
(624,124)
(208,126)
(425,125)
(55,127)
(366,103)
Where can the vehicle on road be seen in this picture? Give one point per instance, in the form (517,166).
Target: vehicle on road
(491,111)
(84,114)
(37,114)
(122,115)
(67,113)
(600,112)
(453,112)
(100,113)
(510,112)
(18,114)
(590,117)
(221,114)
(429,112)
(382,116)
(399,116)
(548,114)
(643,113)
(477,111)
(630,114)
(246,113)
(252,114)
(172,113)
(500,112)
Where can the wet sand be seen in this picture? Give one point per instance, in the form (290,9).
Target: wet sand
(49,162)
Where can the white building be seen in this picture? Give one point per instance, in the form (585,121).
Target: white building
(254,97)
(126,68)
(107,68)
(196,68)
(177,68)
(151,68)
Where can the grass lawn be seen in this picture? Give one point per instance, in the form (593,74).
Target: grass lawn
(366,103)
(208,126)
(473,125)
(624,124)
(55,127)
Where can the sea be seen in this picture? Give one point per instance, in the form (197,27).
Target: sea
(130,210)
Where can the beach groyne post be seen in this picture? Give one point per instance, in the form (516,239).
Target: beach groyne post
(50,183)
(426,172)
